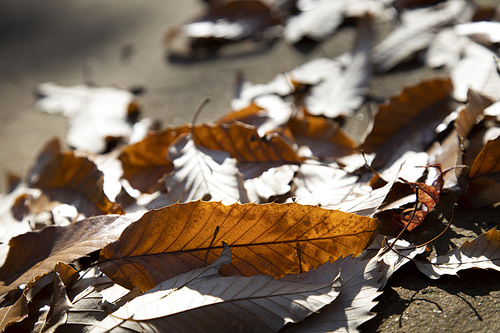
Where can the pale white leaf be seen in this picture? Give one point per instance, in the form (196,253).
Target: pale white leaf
(484,32)
(207,303)
(417,30)
(94,113)
(483,253)
(321,183)
(200,172)
(316,70)
(361,281)
(274,181)
(476,71)
(343,92)
(317,20)
(444,49)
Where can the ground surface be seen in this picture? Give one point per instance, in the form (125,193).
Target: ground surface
(119,43)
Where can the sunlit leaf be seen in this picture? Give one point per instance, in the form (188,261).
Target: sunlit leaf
(344,93)
(408,121)
(95,113)
(263,238)
(417,30)
(73,180)
(145,162)
(201,173)
(483,252)
(36,253)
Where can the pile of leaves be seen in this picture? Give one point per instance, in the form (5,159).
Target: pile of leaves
(272,218)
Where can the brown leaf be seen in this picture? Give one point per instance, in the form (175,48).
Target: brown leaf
(263,238)
(408,121)
(243,142)
(488,161)
(13,312)
(145,162)
(35,253)
(428,197)
(67,178)
(324,137)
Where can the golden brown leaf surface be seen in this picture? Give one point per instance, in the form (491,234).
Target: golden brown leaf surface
(70,179)
(145,162)
(272,239)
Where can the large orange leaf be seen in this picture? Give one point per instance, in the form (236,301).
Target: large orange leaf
(70,179)
(408,120)
(272,239)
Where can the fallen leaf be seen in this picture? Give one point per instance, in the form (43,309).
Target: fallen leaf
(483,252)
(145,162)
(183,237)
(361,281)
(418,28)
(342,94)
(316,20)
(258,304)
(476,70)
(94,113)
(265,183)
(428,197)
(484,32)
(67,178)
(201,173)
(408,121)
(35,253)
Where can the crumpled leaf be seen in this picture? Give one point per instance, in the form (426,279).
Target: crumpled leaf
(59,306)
(36,253)
(94,113)
(428,197)
(258,303)
(66,178)
(417,30)
(265,183)
(263,239)
(201,173)
(408,121)
(483,253)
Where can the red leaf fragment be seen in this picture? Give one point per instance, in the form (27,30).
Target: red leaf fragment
(428,197)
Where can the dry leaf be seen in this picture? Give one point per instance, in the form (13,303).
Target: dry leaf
(67,178)
(417,30)
(408,121)
(263,238)
(94,113)
(201,173)
(255,304)
(342,94)
(36,253)
(145,162)
(478,71)
(316,20)
(483,252)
